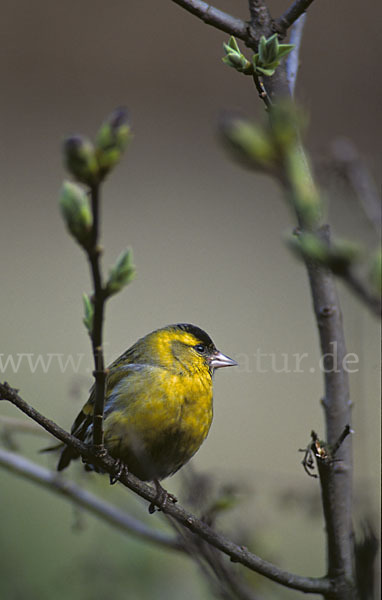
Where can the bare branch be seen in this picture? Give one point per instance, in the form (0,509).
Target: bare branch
(291,15)
(237,553)
(260,16)
(94,252)
(215,17)
(262,91)
(337,494)
(292,60)
(53,482)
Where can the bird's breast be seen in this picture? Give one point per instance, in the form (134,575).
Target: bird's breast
(164,427)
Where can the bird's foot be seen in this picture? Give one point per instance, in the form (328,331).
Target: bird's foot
(120,469)
(161,499)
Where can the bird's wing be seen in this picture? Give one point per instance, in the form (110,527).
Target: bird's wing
(83,425)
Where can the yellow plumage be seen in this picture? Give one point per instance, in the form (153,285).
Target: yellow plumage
(158,402)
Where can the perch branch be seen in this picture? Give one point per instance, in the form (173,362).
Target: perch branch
(94,253)
(237,553)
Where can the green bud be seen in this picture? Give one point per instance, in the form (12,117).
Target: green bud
(268,49)
(309,246)
(284,49)
(266,61)
(122,273)
(261,69)
(232,43)
(251,142)
(268,72)
(89,313)
(235,59)
(112,139)
(338,257)
(238,62)
(80,159)
(76,211)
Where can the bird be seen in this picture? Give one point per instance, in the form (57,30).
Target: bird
(158,404)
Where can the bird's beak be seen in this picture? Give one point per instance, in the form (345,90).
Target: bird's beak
(221,360)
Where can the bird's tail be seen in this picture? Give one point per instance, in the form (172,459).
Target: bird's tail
(54,448)
(67,454)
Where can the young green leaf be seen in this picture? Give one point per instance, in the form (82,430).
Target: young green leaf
(284,49)
(268,49)
(265,71)
(232,43)
(88,313)
(122,273)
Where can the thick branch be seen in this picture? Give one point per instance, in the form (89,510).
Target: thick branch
(238,554)
(291,15)
(337,491)
(260,16)
(105,511)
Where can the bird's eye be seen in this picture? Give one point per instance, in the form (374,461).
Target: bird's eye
(200,348)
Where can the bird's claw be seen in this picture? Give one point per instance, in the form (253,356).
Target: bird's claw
(120,468)
(161,499)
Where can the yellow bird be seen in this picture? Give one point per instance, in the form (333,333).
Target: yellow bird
(158,402)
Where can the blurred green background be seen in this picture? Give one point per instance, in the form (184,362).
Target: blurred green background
(208,245)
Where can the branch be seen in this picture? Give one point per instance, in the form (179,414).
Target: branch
(107,512)
(238,554)
(292,60)
(223,579)
(260,16)
(337,494)
(94,253)
(291,15)
(215,17)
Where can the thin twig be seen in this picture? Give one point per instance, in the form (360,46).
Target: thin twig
(237,553)
(262,91)
(291,15)
(107,512)
(222,575)
(94,253)
(292,60)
